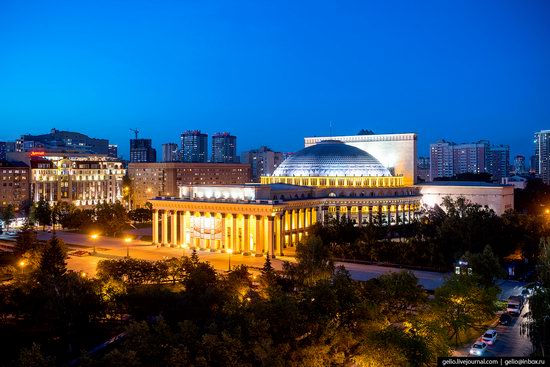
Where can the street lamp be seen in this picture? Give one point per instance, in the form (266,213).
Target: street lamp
(229,251)
(128,240)
(22,265)
(94,237)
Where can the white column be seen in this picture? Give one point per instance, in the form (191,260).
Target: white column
(164,227)
(174,231)
(246,234)
(181,219)
(212,232)
(155,226)
(259,240)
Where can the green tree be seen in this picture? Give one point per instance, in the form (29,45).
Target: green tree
(111,219)
(42,213)
(462,304)
(7,214)
(399,295)
(52,264)
(486,266)
(34,357)
(26,240)
(538,321)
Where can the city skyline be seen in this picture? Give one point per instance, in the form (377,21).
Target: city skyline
(461,72)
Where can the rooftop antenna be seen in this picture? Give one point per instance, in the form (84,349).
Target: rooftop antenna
(136,131)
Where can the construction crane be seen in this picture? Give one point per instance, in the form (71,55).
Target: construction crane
(136,131)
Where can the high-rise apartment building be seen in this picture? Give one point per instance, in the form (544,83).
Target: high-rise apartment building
(170,152)
(141,150)
(263,161)
(3,150)
(542,155)
(499,164)
(423,169)
(113,151)
(448,159)
(224,148)
(470,158)
(441,159)
(519,165)
(194,147)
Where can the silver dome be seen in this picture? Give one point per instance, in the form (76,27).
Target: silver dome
(331,158)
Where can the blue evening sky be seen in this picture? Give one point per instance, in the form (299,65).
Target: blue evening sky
(274,72)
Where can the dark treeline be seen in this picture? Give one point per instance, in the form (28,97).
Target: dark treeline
(181,312)
(109,219)
(439,237)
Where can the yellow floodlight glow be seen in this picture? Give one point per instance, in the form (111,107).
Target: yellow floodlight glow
(229,251)
(128,239)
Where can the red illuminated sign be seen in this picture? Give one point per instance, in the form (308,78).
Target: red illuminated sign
(38,154)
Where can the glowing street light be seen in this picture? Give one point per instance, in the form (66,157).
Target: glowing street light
(229,251)
(128,240)
(22,265)
(94,237)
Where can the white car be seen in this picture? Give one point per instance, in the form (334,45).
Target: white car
(478,348)
(490,337)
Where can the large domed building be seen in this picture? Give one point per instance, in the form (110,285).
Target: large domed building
(331,158)
(328,179)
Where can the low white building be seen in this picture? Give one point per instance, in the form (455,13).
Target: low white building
(497,197)
(517,181)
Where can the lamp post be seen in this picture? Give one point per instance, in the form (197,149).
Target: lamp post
(229,251)
(94,238)
(128,240)
(184,247)
(22,265)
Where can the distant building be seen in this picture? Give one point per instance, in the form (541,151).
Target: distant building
(64,141)
(449,159)
(470,158)
(84,180)
(170,152)
(542,155)
(263,161)
(194,147)
(164,179)
(14,184)
(441,159)
(113,151)
(224,148)
(3,150)
(499,165)
(518,182)
(519,165)
(141,150)
(533,165)
(423,169)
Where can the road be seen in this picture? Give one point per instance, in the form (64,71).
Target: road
(510,342)
(107,247)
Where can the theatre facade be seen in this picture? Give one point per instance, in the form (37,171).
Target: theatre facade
(326,180)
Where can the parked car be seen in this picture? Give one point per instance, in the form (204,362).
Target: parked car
(11,233)
(490,337)
(515,304)
(505,319)
(478,348)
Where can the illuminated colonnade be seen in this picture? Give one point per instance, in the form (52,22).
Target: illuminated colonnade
(263,228)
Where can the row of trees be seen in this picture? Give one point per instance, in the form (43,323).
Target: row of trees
(110,219)
(439,237)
